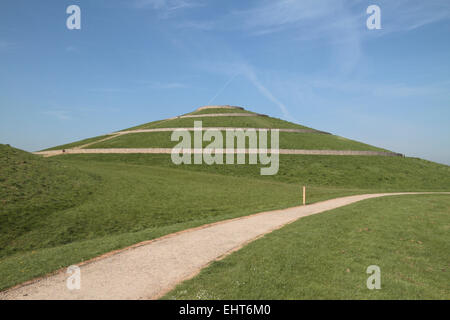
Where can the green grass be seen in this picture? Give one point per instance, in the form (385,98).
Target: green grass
(66,209)
(134,200)
(240,122)
(325,256)
(220,110)
(287,140)
(244,122)
(77,143)
(131,203)
(59,211)
(32,189)
(354,172)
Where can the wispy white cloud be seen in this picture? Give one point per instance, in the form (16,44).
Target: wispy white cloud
(407,15)
(223,88)
(318,19)
(238,67)
(251,75)
(167,8)
(307,16)
(202,25)
(339,26)
(312,19)
(155,4)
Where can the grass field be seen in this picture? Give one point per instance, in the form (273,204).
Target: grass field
(63,210)
(287,140)
(108,205)
(355,172)
(140,197)
(325,256)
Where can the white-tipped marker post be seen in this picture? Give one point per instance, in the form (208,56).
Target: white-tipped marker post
(304,195)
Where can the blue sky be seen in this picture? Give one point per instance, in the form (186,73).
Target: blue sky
(312,61)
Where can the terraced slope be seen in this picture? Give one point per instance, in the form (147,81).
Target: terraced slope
(77,143)
(158,134)
(116,200)
(213,110)
(288,140)
(224,121)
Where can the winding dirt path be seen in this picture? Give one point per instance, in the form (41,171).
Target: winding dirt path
(152,268)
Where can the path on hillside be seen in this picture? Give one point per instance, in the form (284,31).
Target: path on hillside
(306,130)
(205,115)
(111,136)
(51,153)
(150,269)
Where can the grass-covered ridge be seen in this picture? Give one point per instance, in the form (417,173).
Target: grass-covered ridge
(360,172)
(77,143)
(31,190)
(240,122)
(287,140)
(141,197)
(62,210)
(131,203)
(220,110)
(325,256)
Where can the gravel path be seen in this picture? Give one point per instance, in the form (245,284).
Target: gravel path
(220,129)
(150,269)
(206,115)
(112,136)
(222,151)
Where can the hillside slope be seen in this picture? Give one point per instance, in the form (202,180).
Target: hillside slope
(325,256)
(157,134)
(102,202)
(31,189)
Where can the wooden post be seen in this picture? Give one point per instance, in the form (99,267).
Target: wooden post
(304,195)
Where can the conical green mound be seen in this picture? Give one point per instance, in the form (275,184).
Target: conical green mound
(59,211)
(216,117)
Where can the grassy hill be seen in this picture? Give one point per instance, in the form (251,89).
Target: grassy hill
(325,256)
(288,140)
(220,110)
(70,208)
(77,143)
(32,189)
(237,122)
